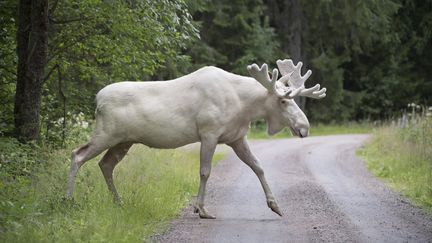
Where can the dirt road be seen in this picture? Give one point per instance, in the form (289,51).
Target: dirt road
(324,190)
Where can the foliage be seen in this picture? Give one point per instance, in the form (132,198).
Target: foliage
(73,130)
(154,184)
(345,43)
(233,35)
(403,158)
(362,51)
(95,43)
(8,62)
(373,56)
(112,41)
(17,165)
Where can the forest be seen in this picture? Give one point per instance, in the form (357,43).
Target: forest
(373,56)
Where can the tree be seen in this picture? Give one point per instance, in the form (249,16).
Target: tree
(8,65)
(234,34)
(288,19)
(32,49)
(96,43)
(90,44)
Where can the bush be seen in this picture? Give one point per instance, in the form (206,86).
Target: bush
(18,164)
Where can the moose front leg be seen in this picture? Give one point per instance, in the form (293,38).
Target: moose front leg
(208,147)
(241,148)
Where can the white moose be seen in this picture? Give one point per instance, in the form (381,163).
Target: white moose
(209,105)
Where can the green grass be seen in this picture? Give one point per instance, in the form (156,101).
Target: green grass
(316,130)
(347,128)
(154,186)
(403,159)
(217,157)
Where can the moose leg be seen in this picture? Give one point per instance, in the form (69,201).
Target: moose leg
(78,158)
(107,164)
(208,147)
(241,148)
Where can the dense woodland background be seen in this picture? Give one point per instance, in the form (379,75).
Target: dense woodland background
(374,56)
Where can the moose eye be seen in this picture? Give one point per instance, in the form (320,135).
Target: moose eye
(283,101)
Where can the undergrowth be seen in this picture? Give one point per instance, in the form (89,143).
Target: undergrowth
(403,158)
(154,185)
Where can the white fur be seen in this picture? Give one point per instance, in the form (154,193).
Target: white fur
(210,105)
(208,102)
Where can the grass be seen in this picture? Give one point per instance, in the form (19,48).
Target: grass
(347,128)
(402,157)
(316,130)
(154,185)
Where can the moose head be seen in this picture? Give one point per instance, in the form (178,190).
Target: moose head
(283,90)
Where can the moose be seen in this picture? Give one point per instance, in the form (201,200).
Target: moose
(210,105)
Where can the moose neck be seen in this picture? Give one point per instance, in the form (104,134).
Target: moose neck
(256,100)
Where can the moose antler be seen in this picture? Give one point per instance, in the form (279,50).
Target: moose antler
(296,80)
(262,76)
(291,84)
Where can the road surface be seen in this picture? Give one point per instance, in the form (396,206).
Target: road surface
(323,189)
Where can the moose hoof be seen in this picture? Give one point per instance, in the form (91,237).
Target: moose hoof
(203,213)
(274,207)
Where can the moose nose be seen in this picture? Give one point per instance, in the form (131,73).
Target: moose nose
(304,132)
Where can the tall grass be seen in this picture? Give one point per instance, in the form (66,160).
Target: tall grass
(154,184)
(403,158)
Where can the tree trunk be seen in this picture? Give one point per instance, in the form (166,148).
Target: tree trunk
(287,17)
(295,40)
(32,49)
(295,30)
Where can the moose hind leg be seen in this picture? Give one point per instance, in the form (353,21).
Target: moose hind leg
(107,164)
(78,158)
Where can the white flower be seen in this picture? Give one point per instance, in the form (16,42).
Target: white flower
(84,124)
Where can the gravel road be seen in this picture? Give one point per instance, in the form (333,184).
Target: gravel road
(323,189)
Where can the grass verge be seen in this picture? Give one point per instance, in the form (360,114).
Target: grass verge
(403,159)
(316,130)
(154,184)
